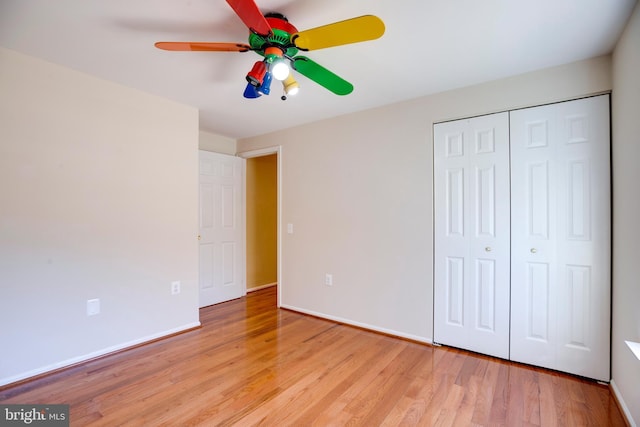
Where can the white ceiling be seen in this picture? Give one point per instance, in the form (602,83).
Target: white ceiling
(429,46)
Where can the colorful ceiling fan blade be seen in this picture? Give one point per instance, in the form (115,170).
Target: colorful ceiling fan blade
(249,13)
(363,28)
(321,75)
(202,46)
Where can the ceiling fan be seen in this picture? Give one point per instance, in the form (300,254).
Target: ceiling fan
(278,41)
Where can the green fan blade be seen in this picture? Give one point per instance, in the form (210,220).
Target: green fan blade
(321,75)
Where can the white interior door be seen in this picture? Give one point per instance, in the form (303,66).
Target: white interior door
(560,216)
(221,219)
(471,290)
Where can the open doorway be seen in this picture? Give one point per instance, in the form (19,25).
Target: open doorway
(262,201)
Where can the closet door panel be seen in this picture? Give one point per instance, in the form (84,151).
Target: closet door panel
(561,220)
(585,242)
(533,228)
(472,234)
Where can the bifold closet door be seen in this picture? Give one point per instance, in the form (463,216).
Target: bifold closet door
(471,186)
(560,230)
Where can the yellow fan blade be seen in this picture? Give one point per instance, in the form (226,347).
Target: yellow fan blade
(360,29)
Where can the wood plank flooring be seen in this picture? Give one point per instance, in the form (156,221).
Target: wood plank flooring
(252,364)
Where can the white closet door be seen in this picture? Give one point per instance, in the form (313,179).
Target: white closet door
(560,216)
(471,296)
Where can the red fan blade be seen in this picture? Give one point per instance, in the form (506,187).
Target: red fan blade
(248,11)
(200,46)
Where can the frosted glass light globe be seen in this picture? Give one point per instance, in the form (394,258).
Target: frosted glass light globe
(280,70)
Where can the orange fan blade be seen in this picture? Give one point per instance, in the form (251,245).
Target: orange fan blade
(202,46)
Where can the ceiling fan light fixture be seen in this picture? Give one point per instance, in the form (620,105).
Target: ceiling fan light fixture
(251,92)
(255,77)
(277,65)
(265,89)
(291,86)
(280,70)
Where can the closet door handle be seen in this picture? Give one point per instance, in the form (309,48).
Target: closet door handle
(487,249)
(534,250)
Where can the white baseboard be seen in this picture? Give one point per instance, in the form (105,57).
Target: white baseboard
(257,288)
(625,409)
(93,355)
(386,331)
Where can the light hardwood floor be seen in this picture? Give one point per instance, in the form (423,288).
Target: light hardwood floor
(253,364)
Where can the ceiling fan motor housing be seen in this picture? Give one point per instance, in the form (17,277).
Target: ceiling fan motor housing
(281,36)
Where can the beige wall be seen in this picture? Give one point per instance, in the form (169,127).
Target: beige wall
(216,143)
(98,199)
(358,190)
(626,214)
(262,216)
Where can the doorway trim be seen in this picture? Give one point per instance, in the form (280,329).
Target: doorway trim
(260,153)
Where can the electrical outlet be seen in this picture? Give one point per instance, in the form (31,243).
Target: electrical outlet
(328,279)
(175,288)
(93,307)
